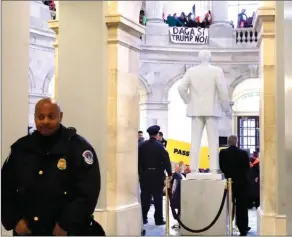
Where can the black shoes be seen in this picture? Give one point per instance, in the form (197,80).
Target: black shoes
(160,222)
(245,232)
(156,222)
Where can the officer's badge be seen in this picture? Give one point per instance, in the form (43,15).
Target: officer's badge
(88,157)
(62,164)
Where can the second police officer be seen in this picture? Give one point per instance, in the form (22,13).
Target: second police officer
(153,160)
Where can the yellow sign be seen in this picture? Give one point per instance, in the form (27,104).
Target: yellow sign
(62,164)
(180,151)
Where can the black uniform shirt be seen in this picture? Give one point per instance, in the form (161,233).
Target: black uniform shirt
(153,159)
(49,180)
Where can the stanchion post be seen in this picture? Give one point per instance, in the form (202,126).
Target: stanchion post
(167,207)
(229,183)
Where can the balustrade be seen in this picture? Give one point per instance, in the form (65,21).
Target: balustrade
(246,35)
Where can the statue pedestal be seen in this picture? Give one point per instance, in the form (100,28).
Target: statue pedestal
(204,176)
(200,202)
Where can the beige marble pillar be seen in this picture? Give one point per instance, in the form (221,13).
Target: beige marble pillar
(14,75)
(98,91)
(287,28)
(15,64)
(271,214)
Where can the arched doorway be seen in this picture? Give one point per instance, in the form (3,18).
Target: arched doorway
(246,98)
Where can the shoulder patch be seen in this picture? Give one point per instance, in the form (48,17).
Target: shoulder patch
(88,157)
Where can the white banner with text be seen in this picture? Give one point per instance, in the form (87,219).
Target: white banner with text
(185,35)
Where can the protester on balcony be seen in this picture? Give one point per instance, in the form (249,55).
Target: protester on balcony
(183,18)
(198,22)
(52,6)
(249,21)
(207,19)
(173,21)
(242,18)
(142,18)
(190,21)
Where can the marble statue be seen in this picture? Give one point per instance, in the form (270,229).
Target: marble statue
(204,90)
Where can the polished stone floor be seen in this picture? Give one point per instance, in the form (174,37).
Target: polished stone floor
(153,230)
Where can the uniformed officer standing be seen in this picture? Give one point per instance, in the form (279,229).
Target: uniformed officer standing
(51,179)
(153,160)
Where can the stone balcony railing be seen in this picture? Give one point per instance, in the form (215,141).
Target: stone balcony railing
(245,36)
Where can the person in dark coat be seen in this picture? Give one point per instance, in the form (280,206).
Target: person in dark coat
(141,138)
(161,139)
(51,180)
(153,160)
(234,163)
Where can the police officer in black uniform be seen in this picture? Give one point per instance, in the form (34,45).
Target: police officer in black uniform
(153,160)
(51,180)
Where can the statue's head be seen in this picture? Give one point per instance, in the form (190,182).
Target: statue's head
(204,56)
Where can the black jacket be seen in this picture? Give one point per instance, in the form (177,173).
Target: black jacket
(50,184)
(234,163)
(153,159)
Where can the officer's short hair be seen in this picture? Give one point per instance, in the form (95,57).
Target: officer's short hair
(140,132)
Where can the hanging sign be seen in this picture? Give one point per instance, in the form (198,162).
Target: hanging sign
(186,35)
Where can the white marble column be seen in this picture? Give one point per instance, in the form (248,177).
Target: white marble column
(219,11)
(287,28)
(157,32)
(154,11)
(154,113)
(98,92)
(15,63)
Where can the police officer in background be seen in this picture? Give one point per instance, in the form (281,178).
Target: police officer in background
(51,180)
(153,160)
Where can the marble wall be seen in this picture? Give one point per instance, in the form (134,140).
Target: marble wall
(162,64)
(41,55)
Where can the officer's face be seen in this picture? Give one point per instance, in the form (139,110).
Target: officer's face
(47,119)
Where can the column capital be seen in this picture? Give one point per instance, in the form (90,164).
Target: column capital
(265,15)
(154,105)
(128,27)
(122,22)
